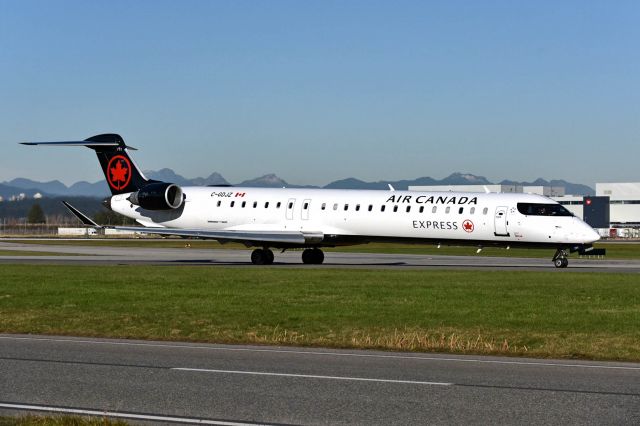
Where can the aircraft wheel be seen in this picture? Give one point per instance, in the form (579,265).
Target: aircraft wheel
(269,256)
(259,257)
(307,256)
(318,256)
(561,262)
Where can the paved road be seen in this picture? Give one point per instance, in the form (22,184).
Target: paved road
(192,382)
(89,255)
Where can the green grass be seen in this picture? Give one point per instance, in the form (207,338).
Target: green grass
(30,253)
(544,314)
(58,421)
(614,250)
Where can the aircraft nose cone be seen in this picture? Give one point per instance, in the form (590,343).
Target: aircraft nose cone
(591,234)
(107,203)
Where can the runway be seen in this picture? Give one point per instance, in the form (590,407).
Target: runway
(96,255)
(219,384)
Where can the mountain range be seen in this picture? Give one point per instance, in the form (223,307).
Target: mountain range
(100,189)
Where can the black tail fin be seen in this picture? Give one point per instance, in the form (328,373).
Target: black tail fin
(119,169)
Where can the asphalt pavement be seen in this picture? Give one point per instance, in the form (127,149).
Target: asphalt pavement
(217,384)
(104,255)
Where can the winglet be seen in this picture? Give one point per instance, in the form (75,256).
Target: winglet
(86,221)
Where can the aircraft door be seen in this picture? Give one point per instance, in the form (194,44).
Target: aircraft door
(290,206)
(306,206)
(500,222)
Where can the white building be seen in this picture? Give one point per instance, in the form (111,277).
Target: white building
(467,188)
(624,202)
(547,191)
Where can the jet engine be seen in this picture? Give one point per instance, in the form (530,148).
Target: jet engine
(158,196)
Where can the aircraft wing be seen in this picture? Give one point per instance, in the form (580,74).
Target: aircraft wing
(273,237)
(255,236)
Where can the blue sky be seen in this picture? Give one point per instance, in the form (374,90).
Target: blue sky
(317,91)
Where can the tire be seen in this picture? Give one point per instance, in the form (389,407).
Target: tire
(318,256)
(559,262)
(258,257)
(307,256)
(268,257)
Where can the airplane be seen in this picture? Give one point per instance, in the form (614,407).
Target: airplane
(310,219)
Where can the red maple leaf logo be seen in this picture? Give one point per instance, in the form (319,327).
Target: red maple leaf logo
(119,174)
(467,225)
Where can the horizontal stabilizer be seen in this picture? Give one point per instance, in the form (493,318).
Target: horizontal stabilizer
(88,144)
(87,221)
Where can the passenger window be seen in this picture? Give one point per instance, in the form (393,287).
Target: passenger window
(306,206)
(357,207)
(485,210)
(255,204)
(472,211)
(278,205)
(244,203)
(460,210)
(382,208)
(346,207)
(324,206)
(408,209)
(219,203)
(233,203)
(421,209)
(447,210)
(290,205)
(335,206)
(266,205)
(370,207)
(395,209)
(434,209)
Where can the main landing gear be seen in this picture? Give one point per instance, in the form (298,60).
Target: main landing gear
(560,259)
(313,256)
(264,256)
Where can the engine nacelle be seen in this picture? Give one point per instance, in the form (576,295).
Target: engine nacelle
(158,196)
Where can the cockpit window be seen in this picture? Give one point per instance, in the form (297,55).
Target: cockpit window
(534,209)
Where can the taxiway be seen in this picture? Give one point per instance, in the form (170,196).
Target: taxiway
(218,384)
(97,255)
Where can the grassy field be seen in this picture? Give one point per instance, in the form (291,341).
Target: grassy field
(542,314)
(30,253)
(58,421)
(614,250)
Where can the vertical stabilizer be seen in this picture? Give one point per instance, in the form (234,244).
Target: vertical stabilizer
(119,170)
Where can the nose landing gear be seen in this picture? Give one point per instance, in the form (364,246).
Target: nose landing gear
(560,259)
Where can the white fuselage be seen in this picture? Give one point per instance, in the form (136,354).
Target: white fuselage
(355,216)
